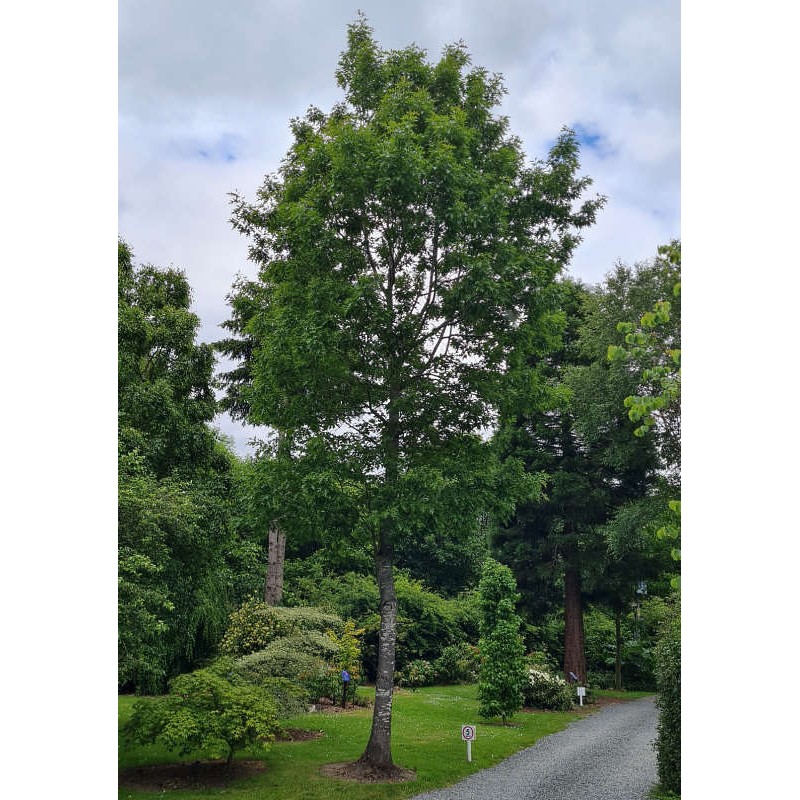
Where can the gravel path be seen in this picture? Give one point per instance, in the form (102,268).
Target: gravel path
(607,755)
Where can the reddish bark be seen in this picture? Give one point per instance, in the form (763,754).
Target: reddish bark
(574,653)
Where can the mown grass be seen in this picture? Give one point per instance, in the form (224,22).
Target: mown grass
(620,694)
(657,793)
(426,737)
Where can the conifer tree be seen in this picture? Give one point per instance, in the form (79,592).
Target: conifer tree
(502,674)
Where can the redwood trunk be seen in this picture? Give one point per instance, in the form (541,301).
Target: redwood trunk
(273,584)
(574,653)
(618,661)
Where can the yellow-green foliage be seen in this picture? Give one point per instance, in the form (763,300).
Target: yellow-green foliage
(308,618)
(204,710)
(252,626)
(255,625)
(348,648)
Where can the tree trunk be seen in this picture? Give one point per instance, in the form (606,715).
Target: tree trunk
(574,653)
(618,660)
(273,584)
(378,755)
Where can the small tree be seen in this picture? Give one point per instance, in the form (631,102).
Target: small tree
(503,674)
(348,655)
(204,710)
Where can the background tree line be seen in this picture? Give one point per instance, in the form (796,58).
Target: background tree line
(432,389)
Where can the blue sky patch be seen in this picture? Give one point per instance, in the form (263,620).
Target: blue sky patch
(587,137)
(226,148)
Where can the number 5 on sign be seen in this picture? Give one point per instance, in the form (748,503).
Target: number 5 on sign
(467,735)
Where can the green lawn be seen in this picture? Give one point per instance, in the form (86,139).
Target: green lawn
(621,695)
(426,737)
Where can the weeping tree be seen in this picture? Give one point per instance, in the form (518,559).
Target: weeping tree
(404,250)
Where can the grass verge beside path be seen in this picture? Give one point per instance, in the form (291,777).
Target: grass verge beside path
(614,694)
(426,737)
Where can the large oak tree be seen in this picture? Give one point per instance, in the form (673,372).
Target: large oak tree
(405,249)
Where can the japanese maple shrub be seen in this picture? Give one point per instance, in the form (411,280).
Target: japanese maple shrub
(205,711)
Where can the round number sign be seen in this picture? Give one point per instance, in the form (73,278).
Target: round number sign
(467,732)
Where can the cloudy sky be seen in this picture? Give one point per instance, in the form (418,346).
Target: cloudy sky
(206,91)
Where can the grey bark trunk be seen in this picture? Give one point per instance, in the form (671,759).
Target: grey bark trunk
(378,753)
(273,584)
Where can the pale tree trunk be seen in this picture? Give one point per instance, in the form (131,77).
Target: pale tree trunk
(574,653)
(273,584)
(378,754)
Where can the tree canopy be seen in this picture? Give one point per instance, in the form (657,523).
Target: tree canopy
(405,252)
(182,562)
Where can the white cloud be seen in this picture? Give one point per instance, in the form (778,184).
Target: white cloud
(206,91)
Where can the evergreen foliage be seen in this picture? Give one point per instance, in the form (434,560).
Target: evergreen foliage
(503,672)
(668,681)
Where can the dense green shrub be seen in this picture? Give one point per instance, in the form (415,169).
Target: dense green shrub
(539,659)
(290,697)
(417,673)
(313,642)
(668,680)
(303,657)
(205,710)
(254,625)
(325,682)
(599,639)
(503,673)
(279,659)
(547,691)
(638,665)
(458,663)
(251,627)
(308,618)
(600,679)
(427,623)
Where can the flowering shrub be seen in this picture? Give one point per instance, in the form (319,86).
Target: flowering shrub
(548,691)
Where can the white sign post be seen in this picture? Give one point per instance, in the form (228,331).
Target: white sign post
(581,693)
(467,735)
